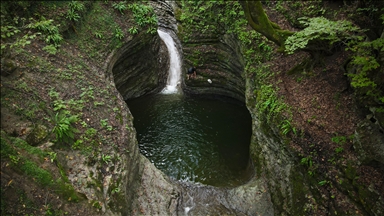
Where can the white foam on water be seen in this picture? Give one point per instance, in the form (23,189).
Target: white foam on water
(170,90)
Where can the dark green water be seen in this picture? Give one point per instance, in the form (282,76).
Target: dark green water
(194,139)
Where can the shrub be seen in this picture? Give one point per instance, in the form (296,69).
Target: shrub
(321,29)
(366,79)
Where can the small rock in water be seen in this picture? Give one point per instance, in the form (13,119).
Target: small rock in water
(209,80)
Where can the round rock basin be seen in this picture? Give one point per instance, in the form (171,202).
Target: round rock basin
(194,139)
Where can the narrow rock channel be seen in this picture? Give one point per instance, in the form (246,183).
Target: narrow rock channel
(157,193)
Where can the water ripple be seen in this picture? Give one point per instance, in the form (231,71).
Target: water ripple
(196,140)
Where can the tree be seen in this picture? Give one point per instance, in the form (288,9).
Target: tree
(259,21)
(321,36)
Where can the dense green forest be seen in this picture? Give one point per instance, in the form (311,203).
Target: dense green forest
(58,103)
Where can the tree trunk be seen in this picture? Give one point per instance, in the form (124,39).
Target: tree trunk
(259,21)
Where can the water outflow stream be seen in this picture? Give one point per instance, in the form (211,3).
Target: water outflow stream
(174,73)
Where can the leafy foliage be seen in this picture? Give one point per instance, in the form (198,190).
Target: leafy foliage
(11,30)
(98,35)
(322,34)
(211,16)
(339,139)
(77,6)
(321,29)
(51,49)
(307,161)
(74,8)
(268,103)
(119,33)
(119,6)
(286,127)
(323,182)
(8,31)
(268,100)
(72,15)
(133,30)
(292,10)
(48,29)
(106,158)
(63,129)
(144,16)
(367,78)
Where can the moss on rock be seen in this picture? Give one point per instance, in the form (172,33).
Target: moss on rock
(38,134)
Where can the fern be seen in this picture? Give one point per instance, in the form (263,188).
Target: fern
(119,33)
(119,6)
(74,7)
(63,128)
(77,6)
(50,31)
(72,15)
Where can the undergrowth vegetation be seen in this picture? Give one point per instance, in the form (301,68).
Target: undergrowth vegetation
(55,51)
(321,29)
(323,35)
(10,148)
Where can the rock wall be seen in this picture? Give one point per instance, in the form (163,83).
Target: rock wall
(294,192)
(221,62)
(278,164)
(138,66)
(217,57)
(137,69)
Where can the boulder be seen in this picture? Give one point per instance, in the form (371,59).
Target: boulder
(38,134)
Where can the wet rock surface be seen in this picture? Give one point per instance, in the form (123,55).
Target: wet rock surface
(217,58)
(249,199)
(138,66)
(156,194)
(219,68)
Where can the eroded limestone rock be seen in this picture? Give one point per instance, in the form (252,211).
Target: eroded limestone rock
(38,133)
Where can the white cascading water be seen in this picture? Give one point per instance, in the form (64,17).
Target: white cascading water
(174,72)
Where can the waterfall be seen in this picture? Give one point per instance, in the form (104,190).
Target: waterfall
(174,72)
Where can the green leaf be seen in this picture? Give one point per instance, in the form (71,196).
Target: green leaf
(322,183)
